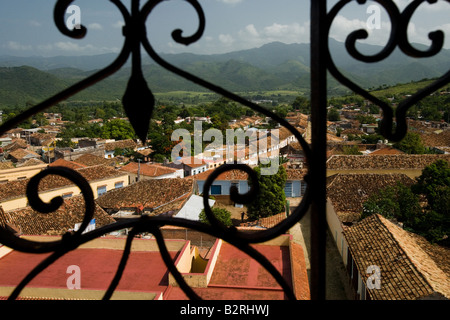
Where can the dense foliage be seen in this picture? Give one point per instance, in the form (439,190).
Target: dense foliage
(223,215)
(271,198)
(423,208)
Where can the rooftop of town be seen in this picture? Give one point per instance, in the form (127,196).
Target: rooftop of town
(410,267)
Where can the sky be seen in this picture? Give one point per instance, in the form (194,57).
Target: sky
(27,27)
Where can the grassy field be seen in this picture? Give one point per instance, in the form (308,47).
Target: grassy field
(194,98)
(402,89)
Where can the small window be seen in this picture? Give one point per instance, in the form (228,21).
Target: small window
(118,185)
(67,195)
(216,190)
(302,188)
(101,190)
(288,190)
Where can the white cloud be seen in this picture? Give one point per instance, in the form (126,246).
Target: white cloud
(16,46)
(95,26)
(342,27)
(420,34)
(74,48)
(251,30)
(230,1)
(35,23)
(45,47)
(226,39)
(119,24)
(70,46)
(287,33)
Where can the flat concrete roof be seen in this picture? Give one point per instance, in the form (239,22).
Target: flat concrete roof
(145,275)
(235,275)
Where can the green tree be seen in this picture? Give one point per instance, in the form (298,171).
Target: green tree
(434,183)
(41,120)
(271,198)
(302,104)
(223,215)
(397,203)
(366,119)
(65,142)
(100,113)
(117,129)
(185,112)
(403,204)
(351,150)
(333,115)
(411,144)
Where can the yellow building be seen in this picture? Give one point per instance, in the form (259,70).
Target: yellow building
(101,179)
(20,173)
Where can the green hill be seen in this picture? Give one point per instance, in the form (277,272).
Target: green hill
(272,67)
(19,85)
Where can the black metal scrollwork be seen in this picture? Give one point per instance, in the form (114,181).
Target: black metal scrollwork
(398,37)
(138,102)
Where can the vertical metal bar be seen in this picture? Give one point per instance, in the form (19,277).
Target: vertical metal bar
(319,49)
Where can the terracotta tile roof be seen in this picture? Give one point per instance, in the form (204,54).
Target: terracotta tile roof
(122,144)
(146,193)
(31,222)
(299,272)
(192,162)
(272,221)
(267,222)
(22,153)
(16,144)
(88,160)
(353,131)
(433,139)
(43,136)
(228,175)
(401,161)
(145,152)
(347,192)
(6,165)
(386,150)
(332,137)
(31,162)
(294,174)
(173,206)
(17,188)
(407,271)
(284,133)
(67,164)
(149,170)
(15,130)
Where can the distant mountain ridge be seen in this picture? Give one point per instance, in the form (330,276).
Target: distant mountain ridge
(274,66)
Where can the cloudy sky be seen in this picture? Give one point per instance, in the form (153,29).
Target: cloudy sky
(27,27)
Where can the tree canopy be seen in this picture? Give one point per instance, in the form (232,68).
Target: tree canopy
(411,144)
(271,198)
(117,129)
(223,215)
(423,208)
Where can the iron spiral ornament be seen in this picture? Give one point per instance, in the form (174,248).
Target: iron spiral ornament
(139,102)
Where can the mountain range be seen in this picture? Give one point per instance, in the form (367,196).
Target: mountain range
(274,66)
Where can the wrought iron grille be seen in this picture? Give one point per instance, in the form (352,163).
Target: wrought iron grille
(135,38)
